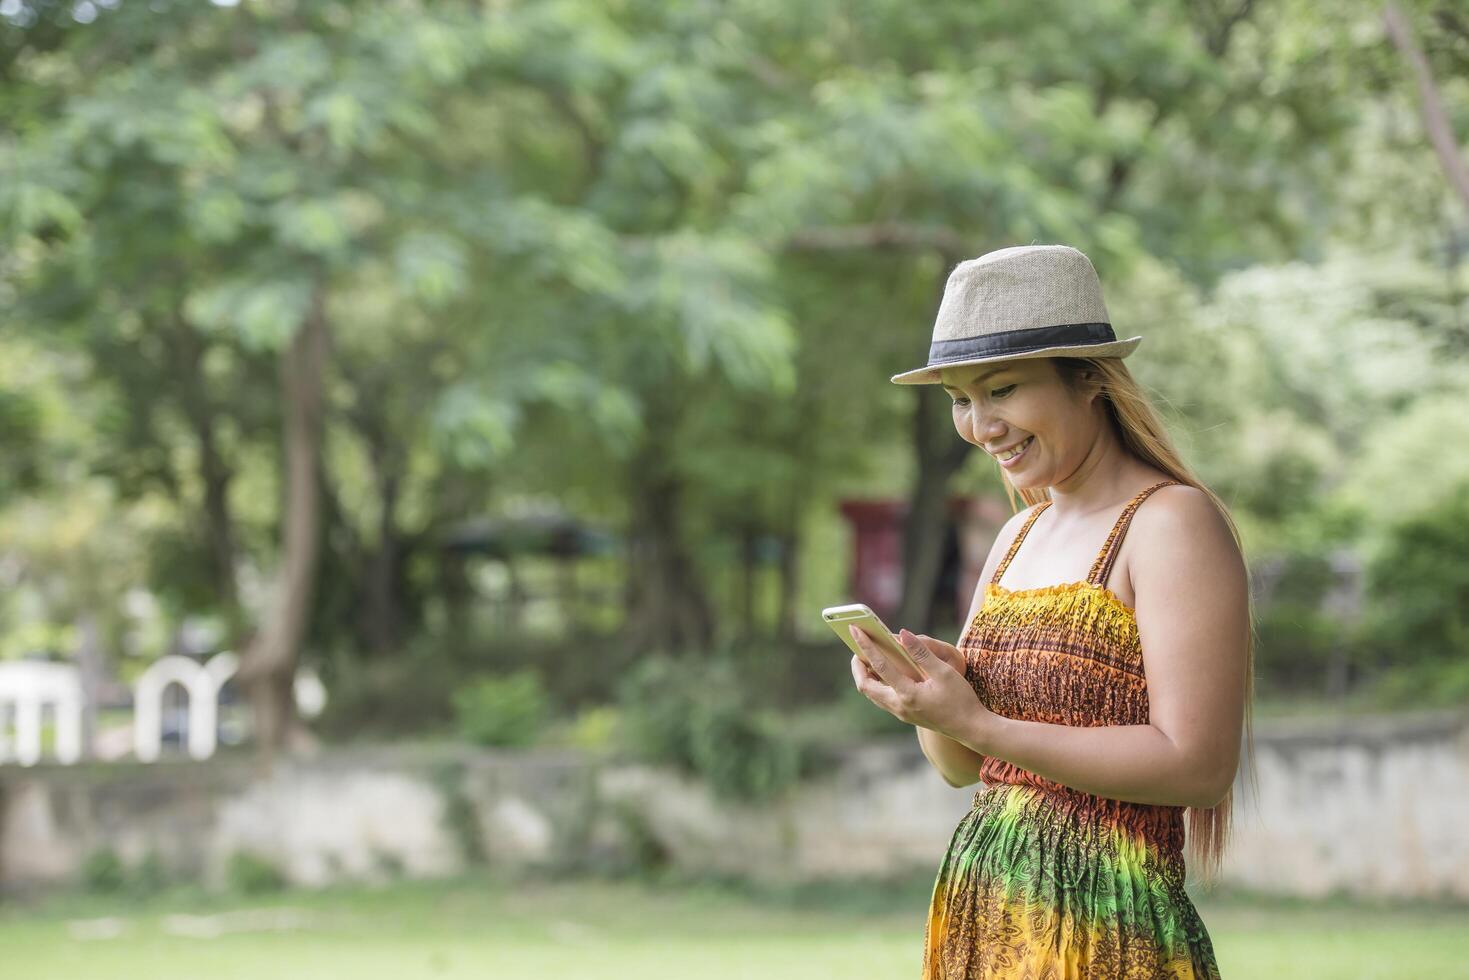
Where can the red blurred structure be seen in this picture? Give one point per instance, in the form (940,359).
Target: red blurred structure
(877,551)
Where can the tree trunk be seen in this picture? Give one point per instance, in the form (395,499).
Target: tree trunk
(268,666)
(1435,118)
(668,604)
(669,609)
(214,472)
(940,454)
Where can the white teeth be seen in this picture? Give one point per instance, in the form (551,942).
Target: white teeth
(1016,451)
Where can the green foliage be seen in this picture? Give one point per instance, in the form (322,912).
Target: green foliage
(408,692)
(1418,600)
(1298,640)
(250,874)
(698,717)
(264,313)
(594,727)
(502,710)
(742,754)
(20,436)
(103,872)
(1435,684)
(1296,644)
(151,875)
(656,699)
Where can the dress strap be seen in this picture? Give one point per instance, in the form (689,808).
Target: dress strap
(1102,567)
(1019,537)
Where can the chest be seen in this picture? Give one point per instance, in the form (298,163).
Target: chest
(1064,654)
(1069,557)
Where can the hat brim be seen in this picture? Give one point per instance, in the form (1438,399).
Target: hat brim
(930,375)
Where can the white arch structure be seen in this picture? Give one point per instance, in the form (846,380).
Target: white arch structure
(203,682)
(25,688)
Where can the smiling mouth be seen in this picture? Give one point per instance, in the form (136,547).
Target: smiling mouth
(1018,449)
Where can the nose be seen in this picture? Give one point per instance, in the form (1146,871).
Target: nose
(987,429)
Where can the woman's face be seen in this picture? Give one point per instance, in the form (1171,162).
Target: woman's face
(1024,404)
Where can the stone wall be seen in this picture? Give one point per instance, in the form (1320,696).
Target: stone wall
(1369,806)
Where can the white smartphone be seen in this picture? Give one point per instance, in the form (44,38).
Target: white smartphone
(858,614)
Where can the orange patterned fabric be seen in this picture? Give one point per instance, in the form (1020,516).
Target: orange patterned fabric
(1041,880)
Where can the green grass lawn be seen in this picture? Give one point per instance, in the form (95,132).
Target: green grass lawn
(483,927)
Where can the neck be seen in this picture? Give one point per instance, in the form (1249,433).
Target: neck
(1106,474)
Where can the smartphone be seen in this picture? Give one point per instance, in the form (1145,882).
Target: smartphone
(857,613)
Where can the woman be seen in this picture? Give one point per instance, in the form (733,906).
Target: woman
(1098,691)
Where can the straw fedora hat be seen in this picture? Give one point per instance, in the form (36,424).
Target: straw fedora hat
(1022,301)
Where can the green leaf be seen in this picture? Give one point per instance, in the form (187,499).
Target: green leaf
(317,227)
(217,215)
(431,266)
(264,314)
(473,426)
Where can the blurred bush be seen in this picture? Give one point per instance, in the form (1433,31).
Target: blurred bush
(150,876)
(413,692)
(595,728)
(510,710)
(1303,645)
(1427,685)
(397,695)
(250,874)
(699,716)
(1415,636)
(103,872)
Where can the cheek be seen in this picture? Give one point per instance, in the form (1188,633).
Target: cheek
(1030,415)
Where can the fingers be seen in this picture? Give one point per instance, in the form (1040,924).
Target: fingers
(863,677)
(873,665)
(934,641)
(865,642)
(946,652)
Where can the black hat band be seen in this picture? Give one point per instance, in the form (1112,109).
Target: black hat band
(1020,341)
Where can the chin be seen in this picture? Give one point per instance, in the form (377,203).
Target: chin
(1028,482)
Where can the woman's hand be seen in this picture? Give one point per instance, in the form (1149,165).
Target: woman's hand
(943,702)
(947,652)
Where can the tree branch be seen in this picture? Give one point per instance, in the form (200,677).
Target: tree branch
(1435,120)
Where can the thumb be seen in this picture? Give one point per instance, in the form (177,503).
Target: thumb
(914,645)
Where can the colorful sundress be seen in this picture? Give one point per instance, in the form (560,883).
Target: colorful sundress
(1041,880)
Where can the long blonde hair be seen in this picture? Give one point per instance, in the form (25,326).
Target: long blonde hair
(1141,430)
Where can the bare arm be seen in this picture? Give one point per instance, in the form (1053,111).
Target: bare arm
(1193,620)
(956,762)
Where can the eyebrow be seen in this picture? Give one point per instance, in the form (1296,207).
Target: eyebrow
(981,376)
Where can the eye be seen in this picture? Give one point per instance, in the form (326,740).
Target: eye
(1002,392)
(960,402)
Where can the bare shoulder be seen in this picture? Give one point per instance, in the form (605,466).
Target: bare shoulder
(1006,537)
(1179,526)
